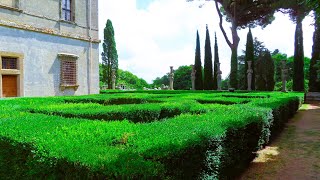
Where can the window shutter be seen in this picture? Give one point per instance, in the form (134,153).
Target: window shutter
(73,10)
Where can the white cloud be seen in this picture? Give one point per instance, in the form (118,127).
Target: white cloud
(164,34)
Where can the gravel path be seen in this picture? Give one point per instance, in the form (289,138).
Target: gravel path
(295,154)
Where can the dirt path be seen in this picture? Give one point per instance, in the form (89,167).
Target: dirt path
(295,154)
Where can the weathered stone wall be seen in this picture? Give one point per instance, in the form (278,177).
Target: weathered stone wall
(41,65)
(46,15)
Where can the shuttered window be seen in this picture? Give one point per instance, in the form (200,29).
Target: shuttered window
(9,63)
(68,72)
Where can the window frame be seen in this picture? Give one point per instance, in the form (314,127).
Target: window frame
(14,7)
(67,10)
(17,72)
(16,65)
(64,58)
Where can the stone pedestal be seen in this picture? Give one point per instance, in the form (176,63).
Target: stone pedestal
(171,78)
(249,75)
(219,77)
(284,75)
(193,78)
(114,77)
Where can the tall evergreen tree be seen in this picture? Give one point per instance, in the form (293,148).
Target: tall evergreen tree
(265,72)
(198,66)
(249,57)
(216,61)
(269,63)
(298,68)
(314,82)
(109,54)
(208,74)
(297,10)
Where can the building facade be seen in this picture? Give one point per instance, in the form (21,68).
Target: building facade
(48,47)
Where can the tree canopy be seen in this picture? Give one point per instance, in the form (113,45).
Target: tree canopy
(109,54)
(216,62)
(249,56)
(182,79)
(208,69)
(198,66)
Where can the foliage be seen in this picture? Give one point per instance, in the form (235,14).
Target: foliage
(126,78)
(318,71)
(297,10)
(216,62)
(208,71)
(314,5)
(298,68)
(278,57)
(250,57)
(109,54)
(159,81)
(265,72)
(217,141)
(289,84)
(212,140)
(314,82)
(259,48)
(131,80)
(182,78)
(198,66)
(243,14)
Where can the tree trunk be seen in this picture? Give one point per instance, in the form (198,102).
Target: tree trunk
(109,74)
(234,57)
(298,68)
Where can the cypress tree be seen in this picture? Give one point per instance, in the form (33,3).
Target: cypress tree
(261,71)
(109,54)
(265,72)
(249,57)
(198,66)
(314,83)
(298,68)
(269,65)
(208,74)
(216,61)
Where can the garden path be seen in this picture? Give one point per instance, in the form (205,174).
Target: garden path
(295,154)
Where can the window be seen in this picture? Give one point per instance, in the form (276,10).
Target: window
(67,10)
(9,3)
(68,76)
(9,63)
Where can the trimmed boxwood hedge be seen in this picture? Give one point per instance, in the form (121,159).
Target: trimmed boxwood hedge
(192,140)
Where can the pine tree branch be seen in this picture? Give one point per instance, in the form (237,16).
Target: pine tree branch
(221,26)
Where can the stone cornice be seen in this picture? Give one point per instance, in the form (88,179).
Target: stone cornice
(49,31)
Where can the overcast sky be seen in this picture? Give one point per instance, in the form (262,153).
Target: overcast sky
(152,35)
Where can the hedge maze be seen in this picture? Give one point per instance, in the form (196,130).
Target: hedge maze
(139,135)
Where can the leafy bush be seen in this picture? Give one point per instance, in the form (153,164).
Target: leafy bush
(193,140)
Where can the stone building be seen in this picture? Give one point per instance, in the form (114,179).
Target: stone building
(48,47)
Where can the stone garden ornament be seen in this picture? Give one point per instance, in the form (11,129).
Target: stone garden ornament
(114,77)
(249,75)
(193,78)
(219,77)
(284,75)
(171,78)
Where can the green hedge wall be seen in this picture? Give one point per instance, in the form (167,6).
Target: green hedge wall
(176,137)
